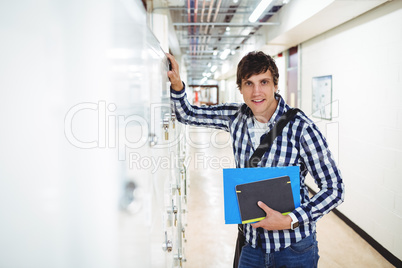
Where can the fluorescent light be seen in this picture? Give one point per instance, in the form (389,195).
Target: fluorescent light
(213,68)
(225,54)
(259,10)
(203,80)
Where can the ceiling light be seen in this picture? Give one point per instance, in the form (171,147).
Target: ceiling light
(213,68)
(203,80)
(225,54)
(215,53)
(259,10)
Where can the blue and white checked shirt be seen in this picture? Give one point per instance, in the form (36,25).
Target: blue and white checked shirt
(301,143)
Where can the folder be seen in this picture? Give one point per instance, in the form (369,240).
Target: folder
(276,193)
(236,176)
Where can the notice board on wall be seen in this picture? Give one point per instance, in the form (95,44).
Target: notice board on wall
(322,97)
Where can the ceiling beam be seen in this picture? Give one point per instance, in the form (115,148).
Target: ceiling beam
(221,36)
(209,44)
(224,24)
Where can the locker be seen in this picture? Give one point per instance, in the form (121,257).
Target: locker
(92,160)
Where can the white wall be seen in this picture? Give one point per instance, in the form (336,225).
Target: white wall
(364,56)
(281,63)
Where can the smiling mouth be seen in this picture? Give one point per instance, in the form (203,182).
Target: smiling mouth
(258,101)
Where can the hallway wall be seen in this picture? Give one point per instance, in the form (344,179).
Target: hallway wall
(364,57)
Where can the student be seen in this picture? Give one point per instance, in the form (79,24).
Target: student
(278,240)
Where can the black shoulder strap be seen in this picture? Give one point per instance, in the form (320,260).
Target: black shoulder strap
(270,137)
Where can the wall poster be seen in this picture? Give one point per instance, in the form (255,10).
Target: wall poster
(322,97)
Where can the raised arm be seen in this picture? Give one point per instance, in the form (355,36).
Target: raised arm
(216,116)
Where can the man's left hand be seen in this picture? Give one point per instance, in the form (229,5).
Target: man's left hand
(274,219)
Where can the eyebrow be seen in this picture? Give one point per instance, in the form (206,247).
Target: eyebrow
(264,78)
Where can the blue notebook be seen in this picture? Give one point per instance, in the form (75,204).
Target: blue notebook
(237,176)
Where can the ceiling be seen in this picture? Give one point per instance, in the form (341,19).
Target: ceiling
(209,32)
(210,35)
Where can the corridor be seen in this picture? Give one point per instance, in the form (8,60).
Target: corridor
(210,243)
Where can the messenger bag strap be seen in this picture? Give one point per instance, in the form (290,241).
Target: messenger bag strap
(270,137)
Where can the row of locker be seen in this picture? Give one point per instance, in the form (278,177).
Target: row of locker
(156,174)
(92,163)
(158,230)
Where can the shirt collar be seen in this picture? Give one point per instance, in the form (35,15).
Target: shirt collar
(280,109)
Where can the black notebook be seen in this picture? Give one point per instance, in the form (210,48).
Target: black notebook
(276,193)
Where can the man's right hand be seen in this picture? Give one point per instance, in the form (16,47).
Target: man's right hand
(174,75)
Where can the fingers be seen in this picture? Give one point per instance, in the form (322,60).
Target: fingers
(171,58)
(267,209)
(174,75)
(256,225)
(274,220)
(174,64)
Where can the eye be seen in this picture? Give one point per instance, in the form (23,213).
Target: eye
(264,82)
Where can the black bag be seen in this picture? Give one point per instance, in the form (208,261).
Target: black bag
(253,161)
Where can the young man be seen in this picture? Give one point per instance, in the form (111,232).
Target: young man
(278,240)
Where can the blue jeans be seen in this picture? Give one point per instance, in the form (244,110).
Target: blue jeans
(303,254)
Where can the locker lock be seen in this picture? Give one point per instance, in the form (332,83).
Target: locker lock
(183,230)
(183,172)
(179,257)
(130,201)
(166,126)
(153,140)
(173,210)
(176,187)
(167,245)
(175,215)
(173,118)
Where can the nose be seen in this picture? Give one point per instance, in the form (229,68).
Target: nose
(257,88)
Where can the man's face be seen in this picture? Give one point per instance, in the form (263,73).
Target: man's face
(259,94)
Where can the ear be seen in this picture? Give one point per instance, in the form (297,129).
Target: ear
(241,91)
(276,89)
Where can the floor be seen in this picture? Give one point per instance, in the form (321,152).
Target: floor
(210,243)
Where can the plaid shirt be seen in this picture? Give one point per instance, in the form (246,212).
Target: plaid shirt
(301,143)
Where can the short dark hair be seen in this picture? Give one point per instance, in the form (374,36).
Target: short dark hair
(256,62)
